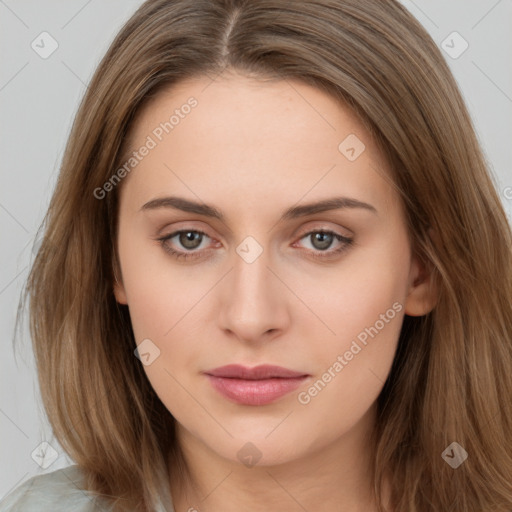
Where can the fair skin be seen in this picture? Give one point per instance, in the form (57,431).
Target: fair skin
(253,149)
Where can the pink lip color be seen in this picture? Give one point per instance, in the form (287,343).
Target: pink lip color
(254,386)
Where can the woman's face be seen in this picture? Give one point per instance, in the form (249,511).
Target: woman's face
(238,165)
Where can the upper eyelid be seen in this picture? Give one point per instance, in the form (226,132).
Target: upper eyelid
(302,232)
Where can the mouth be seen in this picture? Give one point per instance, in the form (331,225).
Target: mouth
(260,385)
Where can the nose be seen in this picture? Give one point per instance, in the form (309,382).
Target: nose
(254,301)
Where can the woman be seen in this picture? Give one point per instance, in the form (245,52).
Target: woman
(275,272)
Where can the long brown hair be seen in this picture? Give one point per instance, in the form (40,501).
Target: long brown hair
(451,380)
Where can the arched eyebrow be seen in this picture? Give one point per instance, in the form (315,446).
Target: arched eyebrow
(186,205)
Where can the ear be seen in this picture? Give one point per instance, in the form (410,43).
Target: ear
(119,291)
(422,295)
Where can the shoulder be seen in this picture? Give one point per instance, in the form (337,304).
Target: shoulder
(60,490)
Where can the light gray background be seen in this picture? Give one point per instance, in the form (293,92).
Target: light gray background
(39,98)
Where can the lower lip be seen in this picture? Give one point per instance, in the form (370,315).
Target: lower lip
(255,392)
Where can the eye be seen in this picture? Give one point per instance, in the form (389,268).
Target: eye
(190,239)
(323,239)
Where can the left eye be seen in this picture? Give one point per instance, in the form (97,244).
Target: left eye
(322,240)
(191,241)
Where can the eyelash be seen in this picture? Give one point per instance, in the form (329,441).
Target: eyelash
(320,255)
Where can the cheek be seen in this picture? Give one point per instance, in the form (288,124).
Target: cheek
(160,293)
(354,363)
(166,309)
(365,303)
(365,291)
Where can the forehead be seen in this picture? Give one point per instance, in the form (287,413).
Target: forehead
(249,137)
(237,105)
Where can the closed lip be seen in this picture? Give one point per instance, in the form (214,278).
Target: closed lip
(261,372)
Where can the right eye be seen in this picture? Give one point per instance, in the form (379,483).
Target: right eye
(188,238)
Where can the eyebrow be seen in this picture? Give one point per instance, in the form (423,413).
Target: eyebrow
(186,205)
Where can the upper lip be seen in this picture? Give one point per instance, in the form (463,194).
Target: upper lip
(264,371)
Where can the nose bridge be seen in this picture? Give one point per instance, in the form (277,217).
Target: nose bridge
(254,301)
(250,273)
(251,277)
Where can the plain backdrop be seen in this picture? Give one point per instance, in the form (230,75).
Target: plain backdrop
(38,100)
